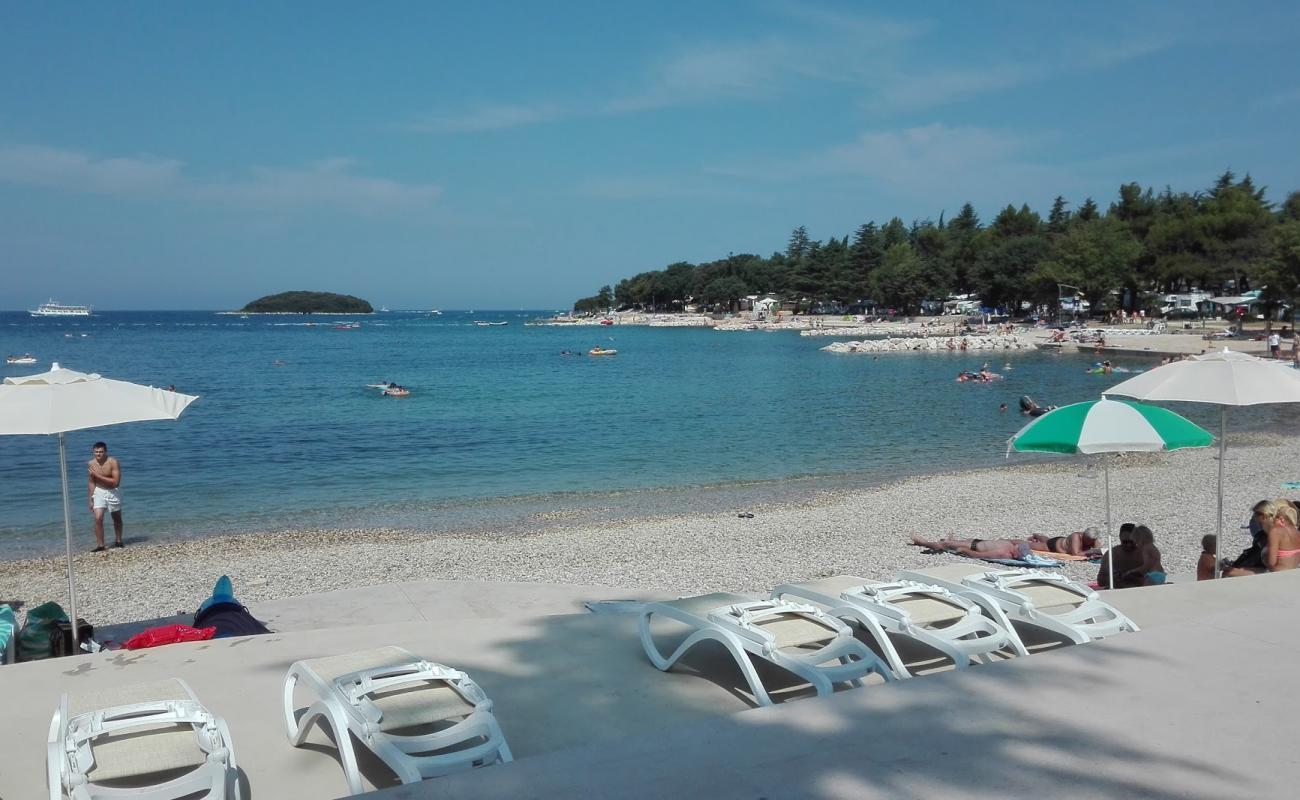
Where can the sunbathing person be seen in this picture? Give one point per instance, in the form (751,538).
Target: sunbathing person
(1014,549)
(1079,543)
(223,612)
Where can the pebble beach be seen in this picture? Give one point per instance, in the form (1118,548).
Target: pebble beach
(861,531)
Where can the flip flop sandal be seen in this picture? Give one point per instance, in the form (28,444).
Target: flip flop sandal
(98,550)
(119,544)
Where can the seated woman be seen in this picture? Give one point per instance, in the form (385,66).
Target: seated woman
(1251,560)
(1079,543)
(979,548)
(1125,558)
(1149,571)
(1283,536)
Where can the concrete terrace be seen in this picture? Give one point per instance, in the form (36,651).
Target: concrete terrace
(1196,705)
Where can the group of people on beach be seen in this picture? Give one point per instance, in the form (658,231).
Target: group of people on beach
(1136,560)
(1080,544)
(1274,544)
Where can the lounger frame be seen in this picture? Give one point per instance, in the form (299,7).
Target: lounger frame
(973,638)
(1092,618)
(345,704)
(736,626)
(70,750)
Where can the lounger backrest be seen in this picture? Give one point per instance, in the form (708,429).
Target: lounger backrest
(1047,596)
(401,707)
(413,706)
(702,604)
(139,751)
(929,610)
(796,630)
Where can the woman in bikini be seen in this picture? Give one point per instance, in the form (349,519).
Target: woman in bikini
(1079,543)
(978,548)
(1283,537)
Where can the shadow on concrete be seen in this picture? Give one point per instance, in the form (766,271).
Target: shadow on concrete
(1074,722)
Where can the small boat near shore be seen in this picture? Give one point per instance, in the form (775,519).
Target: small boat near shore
(25,358)
(601,351)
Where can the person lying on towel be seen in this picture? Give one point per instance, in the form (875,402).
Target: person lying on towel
(1012,549)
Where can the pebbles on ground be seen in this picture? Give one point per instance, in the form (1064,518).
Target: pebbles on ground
(862,532)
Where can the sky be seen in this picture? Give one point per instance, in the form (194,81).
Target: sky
(522,155)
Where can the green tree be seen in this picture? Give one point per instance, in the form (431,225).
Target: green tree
(1097,256)
(902,280)
(1059,217)
(797,249)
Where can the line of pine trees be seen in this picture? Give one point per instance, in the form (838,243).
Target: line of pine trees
(1228,238)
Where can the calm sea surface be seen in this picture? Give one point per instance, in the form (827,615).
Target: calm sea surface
(501,430)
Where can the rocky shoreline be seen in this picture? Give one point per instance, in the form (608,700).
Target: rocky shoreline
(860,531)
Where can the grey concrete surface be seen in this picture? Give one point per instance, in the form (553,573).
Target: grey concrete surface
(1196,705)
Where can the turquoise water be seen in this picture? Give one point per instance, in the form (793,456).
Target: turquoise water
(501,430)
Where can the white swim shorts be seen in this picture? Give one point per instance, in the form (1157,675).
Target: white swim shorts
(107,498)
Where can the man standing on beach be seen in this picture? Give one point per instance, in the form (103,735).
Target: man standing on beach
(1275,345)
(103,493)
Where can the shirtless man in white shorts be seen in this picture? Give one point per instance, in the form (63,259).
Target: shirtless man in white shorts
(103,493)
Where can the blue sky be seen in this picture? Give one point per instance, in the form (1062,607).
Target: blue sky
(478,155)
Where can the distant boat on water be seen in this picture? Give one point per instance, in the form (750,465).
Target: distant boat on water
(56,309)
(25,358)
(435,312)
(482,323)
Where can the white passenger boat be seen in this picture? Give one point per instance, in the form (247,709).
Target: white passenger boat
(25,358)
(55,309)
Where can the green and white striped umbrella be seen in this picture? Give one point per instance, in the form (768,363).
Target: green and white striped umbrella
(1108,426)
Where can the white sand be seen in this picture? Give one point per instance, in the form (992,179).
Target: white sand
(860,532)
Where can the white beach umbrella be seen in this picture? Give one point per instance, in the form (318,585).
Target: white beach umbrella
(64,400)
(1224,379)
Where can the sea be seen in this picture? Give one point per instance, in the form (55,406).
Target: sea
(503,431)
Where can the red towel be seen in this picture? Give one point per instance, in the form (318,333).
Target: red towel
(168,634)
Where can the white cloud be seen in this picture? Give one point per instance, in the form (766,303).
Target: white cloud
(488,118)
(324,183)
(332,182)
(1277,100)
(35,165)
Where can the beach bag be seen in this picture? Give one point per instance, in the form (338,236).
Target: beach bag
(36,639)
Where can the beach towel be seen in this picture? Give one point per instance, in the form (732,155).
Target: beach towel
(1291,485)
(1031,560)
(168,634)
(8,625)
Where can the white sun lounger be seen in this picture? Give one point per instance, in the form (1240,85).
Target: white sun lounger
(930,614)
(1047,599)
(420,718)
(796,637)
(108,743)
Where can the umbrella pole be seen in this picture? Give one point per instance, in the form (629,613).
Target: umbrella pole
(1223,446)
(67,533)
(1110,555)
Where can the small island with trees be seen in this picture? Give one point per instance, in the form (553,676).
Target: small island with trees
(308,303)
